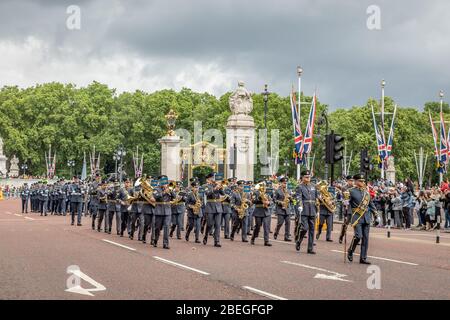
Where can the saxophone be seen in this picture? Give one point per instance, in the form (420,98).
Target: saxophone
(244,206)
(286,199)
(198,204)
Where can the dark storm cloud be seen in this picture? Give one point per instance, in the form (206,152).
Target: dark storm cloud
(262,41)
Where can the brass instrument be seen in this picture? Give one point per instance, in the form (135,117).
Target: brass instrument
(286,200)
(146,191)
(198,204)
(261,187)
(244,206)
(325,197)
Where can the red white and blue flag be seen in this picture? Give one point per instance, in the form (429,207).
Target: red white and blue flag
(443,142)
(391,134)
(381,146)
(298,137)
(436,150)
(309,132)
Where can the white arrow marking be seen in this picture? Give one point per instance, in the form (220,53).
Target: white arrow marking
(74,282)
(334,276)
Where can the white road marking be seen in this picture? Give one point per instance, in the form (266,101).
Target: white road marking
(334,275)
(17,215)
(120,245)
(28,218)
(380,258)
(263,293)
(176,264)
(7,212)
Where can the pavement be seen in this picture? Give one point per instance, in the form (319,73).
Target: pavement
(47,258)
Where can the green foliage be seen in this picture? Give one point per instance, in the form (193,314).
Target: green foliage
(74,119)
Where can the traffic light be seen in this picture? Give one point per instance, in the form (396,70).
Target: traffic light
(365,165)
(334,147)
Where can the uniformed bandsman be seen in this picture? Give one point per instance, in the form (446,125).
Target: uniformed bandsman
(163,196)
(283,199)
(194,203)
(346,210)
(25,196)
(213,210)
(240,202)
(362,205)
(76,200)
(262,214)
(306,195)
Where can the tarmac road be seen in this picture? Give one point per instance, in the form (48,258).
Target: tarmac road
(36,251)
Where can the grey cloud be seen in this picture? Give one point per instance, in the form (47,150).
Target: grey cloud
(261,40)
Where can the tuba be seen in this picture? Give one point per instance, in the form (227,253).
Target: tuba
(325,198)
(146,191)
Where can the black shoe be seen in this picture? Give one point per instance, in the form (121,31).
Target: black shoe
(350,256)
(131,237)
(205,240)
(311,252)
(166,246)
(317,236)
(297,245)
(275,236)
(245,240)
(186,238)
(364,261)
(99,230)
(288,240)
(155,244)
(252,242)
(179,238)
(121,234)
(197,241)
(231,238)
(144,241)
(79,224)
(340,241)
(329,240)
(267,244)
(72,223)
(218,245)
(227,237)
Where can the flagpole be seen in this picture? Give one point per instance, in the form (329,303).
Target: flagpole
(299,73)
(441,96)
(383,83)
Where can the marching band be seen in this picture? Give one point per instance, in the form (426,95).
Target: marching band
(155,205)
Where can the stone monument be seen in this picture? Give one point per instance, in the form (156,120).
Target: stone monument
(390,171)
(3,159)
(14,167)
(241,135)
(170,150)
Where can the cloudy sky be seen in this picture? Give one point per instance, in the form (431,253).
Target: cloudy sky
(208,45)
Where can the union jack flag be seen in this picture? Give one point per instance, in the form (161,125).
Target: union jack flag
(298,137)
(436,151)
(443,142)
(306,146)
(382,152)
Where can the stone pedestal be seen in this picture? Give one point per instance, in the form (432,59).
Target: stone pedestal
(170,157)
(241,133)
(390,172)
(3,170)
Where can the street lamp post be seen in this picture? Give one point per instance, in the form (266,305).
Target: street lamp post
(324,118)
(71,164)
(118,156)
(441,98)
(24,168)
(286,164)
(266,100)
